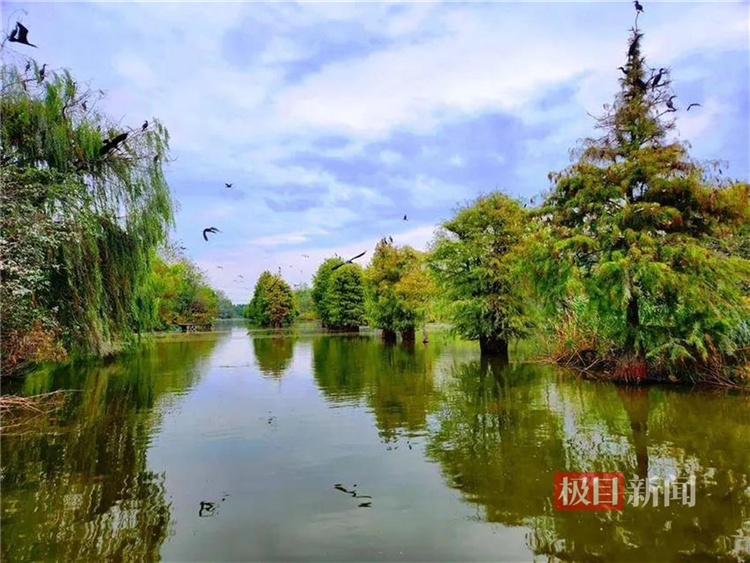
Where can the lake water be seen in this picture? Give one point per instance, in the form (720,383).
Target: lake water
(229,446)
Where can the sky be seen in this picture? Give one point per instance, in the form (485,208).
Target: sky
(334,120)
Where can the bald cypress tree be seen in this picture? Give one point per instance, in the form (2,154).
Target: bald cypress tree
(637,244)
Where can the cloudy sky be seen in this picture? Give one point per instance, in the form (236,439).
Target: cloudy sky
(333,120)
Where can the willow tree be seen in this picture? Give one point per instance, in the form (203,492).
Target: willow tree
(473,260)
(85,203)
(273,302)
(638,231)
(398,290)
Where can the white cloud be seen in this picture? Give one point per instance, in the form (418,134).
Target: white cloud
(235,115)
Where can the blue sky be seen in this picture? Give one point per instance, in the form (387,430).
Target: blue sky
(333,120)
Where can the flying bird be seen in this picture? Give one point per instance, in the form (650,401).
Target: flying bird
(670,103)
(406,218)
(111,144)
(337,266)
(220,267)
(229,185)
(638,7)
(694,104)
(212,230)
(144,126)
(20,35)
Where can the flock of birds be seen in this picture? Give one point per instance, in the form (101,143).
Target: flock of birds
(656,78)
(214,230)
(20,34)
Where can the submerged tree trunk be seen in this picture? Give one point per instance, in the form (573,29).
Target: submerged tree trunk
(388,335)
(408,335)
(494,346)
(635,400)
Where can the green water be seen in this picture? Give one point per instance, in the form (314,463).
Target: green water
(457,454)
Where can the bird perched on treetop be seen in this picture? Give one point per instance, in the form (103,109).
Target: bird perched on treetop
(212,230)
(20,34)
(144,126)
(657,78)
(638,7)
(670,103)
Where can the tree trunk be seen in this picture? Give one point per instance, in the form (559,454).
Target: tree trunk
(632,318)
(493,346)
(389,335)
(632,366)
(408,335)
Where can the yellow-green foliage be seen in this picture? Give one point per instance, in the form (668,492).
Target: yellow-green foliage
(182,294)
(273,303)
(398,288)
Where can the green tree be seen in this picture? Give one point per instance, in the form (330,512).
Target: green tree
(305,304)
(473,260)
(84,207)
(225,307)
(345,298)
(398,290)
(183,295)
(273,303)
(632,230)
(321,282)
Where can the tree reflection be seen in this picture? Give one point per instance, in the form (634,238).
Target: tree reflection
(274,354)
(78,486)
(397,382)
(503,431)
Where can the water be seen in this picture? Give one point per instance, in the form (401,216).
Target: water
(227,446)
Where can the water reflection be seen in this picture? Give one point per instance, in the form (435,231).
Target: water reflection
(396,382)
(152,444)
(76,486)
(504,430)
(273,353)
